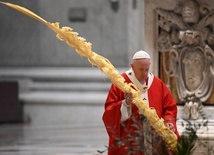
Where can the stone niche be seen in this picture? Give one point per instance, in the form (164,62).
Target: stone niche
(181,35)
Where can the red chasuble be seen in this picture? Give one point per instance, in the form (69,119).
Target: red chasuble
(158,97)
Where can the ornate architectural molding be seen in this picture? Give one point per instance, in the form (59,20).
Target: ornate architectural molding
(187,34)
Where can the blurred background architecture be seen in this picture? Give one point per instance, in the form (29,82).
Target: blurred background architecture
(49,72)
(46,86)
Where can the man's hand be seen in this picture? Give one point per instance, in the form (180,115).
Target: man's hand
(171,126)
(128,98)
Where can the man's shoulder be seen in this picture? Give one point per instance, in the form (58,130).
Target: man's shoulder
(156,79)
(125,76)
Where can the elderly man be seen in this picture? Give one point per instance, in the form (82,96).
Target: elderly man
(129,132)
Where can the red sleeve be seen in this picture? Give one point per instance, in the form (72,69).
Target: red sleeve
(170,109)
(112,114)
(163,102)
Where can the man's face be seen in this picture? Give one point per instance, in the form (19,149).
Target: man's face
(141,68)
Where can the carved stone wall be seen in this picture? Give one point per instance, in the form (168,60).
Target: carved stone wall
(183,40)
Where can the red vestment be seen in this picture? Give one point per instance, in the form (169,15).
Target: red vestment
(159,98)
